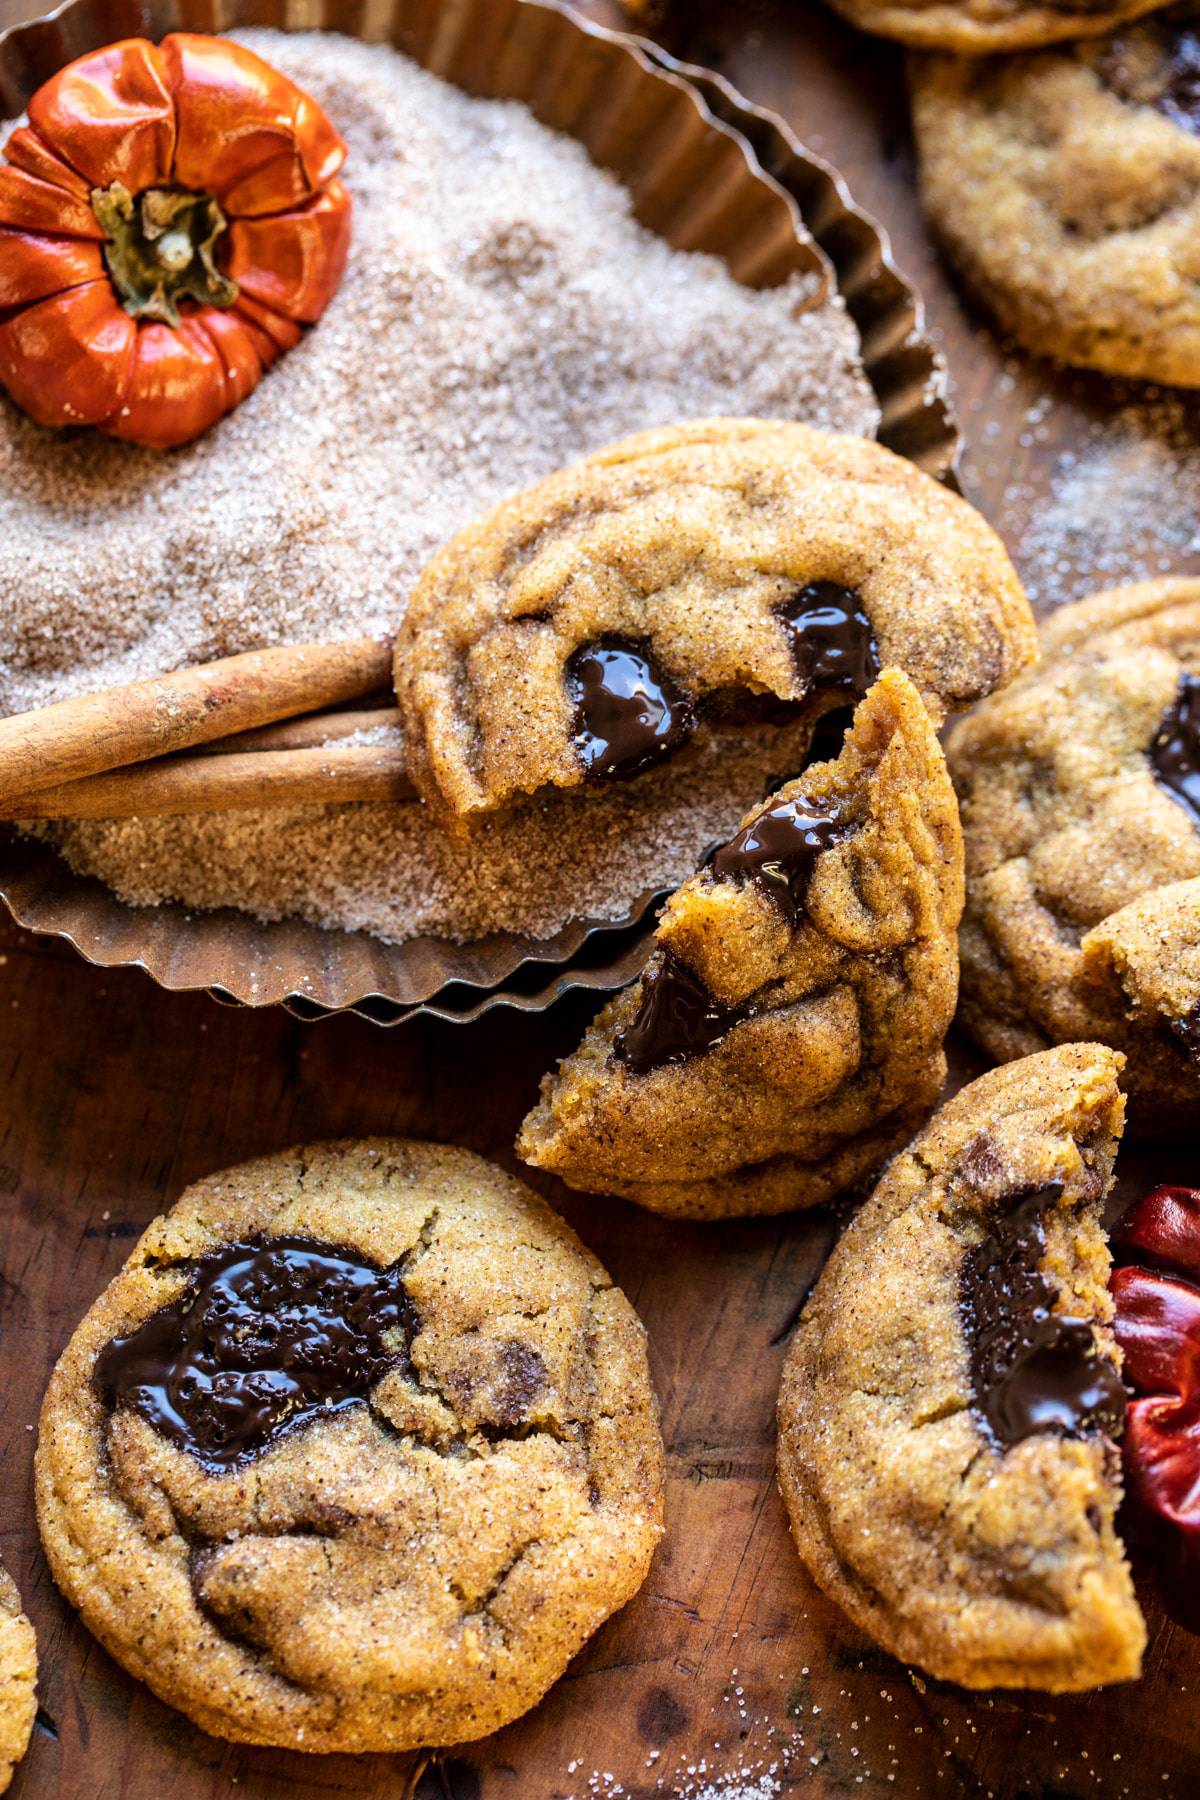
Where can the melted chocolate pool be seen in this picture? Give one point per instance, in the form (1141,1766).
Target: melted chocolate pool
(1032,1369)
(264,1337)
(832,644)
(1175,752)
(678,1018)
(629,713)
(778,850)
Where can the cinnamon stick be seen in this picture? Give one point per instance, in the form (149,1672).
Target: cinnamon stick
(208,783)
(301,734)
(144,719)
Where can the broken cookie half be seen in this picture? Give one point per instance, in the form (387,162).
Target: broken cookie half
(787,1032)
(717,571)
(951,1400)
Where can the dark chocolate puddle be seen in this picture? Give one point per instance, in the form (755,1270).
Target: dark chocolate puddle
(830,637)
(677,1019)
(266,1336)
(1032,1369)
(629,713)
(778,851)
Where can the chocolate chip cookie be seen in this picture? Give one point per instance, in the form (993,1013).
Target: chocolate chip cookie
(355,1453)
(18,1678)
(728,568)
(1066,187)
(1080,797)
(978,27)
(787,1033)
(950,1404)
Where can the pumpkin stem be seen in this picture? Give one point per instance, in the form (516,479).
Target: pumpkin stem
(161,248)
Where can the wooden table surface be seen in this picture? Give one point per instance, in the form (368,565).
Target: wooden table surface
(113,1095)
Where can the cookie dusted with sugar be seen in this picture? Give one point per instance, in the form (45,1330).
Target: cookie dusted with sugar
(952,1398)
(18,1679)
(787,1033)
(1080,798)
(586,629)
(355,1453)
(1066,187)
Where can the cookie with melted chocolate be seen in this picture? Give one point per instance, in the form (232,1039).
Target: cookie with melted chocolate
(725,569)
(1066,187)
(787,1033)
(952,1399)
(1080,796)
(18,1679)
(355,1453)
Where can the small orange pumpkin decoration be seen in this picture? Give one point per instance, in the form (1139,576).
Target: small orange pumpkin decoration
(170,218)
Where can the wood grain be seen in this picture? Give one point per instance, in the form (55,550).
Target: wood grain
(114,1094)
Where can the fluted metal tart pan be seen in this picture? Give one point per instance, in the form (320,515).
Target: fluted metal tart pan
(707,171)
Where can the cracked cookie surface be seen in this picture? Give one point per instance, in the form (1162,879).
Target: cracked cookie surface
(590,626)
(1066,186)
(1080,796)
(788,1031)
(18,1679)
(947,1406)
(327,1549)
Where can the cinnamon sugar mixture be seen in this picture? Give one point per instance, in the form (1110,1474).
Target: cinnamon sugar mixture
(501,315)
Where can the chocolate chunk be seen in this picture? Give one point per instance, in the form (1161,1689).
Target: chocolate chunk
(264,1337)
(778,851)
(678,1018)
(980,1163)
(1175,751)
(629,713)
(833,646)
(523,1378)
(1187,1030)
(1032,1369)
